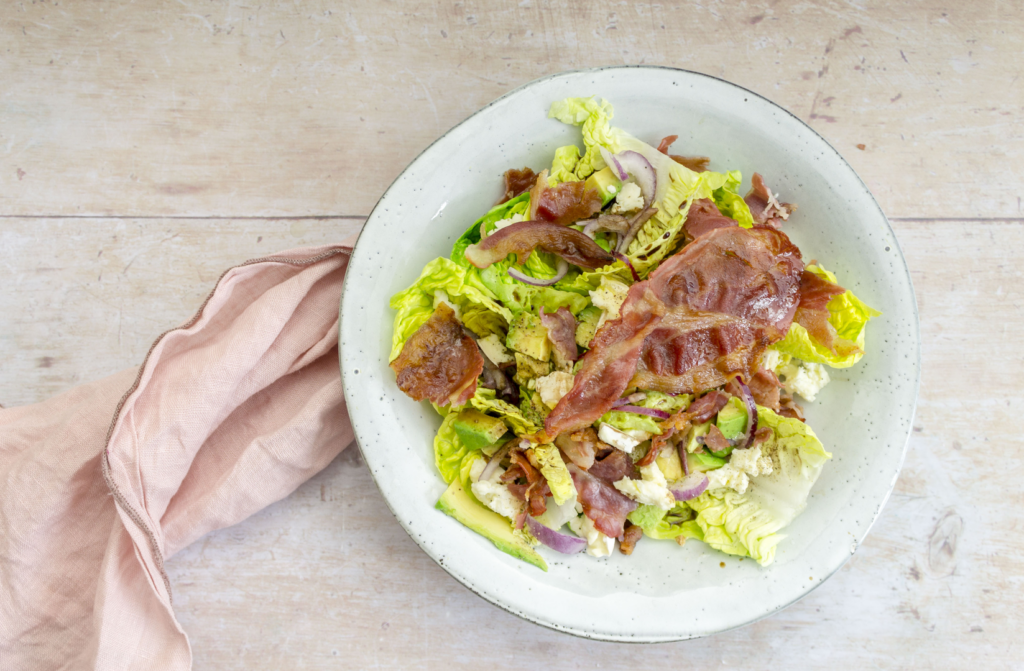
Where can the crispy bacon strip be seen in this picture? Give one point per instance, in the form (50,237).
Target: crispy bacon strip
(715,441)
(704,217)
(703,317)
(523,237)
(536,484)
(606,506)
(439,362)
(630,537)
(695,163)
(563,204)
(516,182)
(766,210)
(580,446)
(765,388)
(813,314)
(614,466)
(789,408)
(561,326)
(700,411)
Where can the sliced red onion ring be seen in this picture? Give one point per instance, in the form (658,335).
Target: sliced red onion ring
(495,461)
(683,457)
(612,161)
(560,270)
(748,400)
(556,540)
(638,222)
(625,259)
(640,169)
(690,487)
(635,397)
(650,412)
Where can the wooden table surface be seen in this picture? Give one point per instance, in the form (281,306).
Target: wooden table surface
(146,146)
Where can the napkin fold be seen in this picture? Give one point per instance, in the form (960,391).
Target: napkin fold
(100,485)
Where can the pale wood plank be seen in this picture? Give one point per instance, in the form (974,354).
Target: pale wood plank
(222,108)
(84,298)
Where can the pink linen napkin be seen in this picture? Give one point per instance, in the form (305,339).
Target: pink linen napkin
(100,485)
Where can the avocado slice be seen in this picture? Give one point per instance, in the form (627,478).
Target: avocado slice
(528,368)
(702,461)
(477,430)
(586,325)
(606,183)
(669,464)
(527,335)
(696,432)
(456,503)
(732,419)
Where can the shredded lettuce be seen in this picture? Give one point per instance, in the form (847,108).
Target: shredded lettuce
(631,421)
(748,524)
(485,400)
(554,470)
(666,403)
(848,314)
(587,281)
(415,305)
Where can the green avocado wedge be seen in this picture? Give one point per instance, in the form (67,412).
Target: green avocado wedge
(456,503)
(477,430)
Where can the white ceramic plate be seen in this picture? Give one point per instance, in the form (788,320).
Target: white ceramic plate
(662,592)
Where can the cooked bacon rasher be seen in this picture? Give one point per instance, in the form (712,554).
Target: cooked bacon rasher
(702,318)
(439,362)
(525,236)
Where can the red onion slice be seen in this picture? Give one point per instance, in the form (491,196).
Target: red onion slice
(690,487)
(748,400)
(650,412)
(638,222)
(495,461)
(612,161)
(556,540)
(635,397)
(560,270)
(640,169)
(625,259)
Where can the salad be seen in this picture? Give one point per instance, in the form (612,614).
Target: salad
(616,350)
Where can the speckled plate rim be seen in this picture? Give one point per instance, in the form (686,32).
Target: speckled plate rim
(347,364)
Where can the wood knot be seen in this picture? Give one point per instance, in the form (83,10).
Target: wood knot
(943,543)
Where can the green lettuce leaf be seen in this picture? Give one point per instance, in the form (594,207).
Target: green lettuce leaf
(416,304)
(631,421)
(666,403)
(593,118)
(485,400)
(449,451)
(748,524)
(730,202)
(848,314)
(554,470)
(585,282)
(564,166)
(661,524)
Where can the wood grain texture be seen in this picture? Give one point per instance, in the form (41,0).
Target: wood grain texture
(223,108)
(85,298)
(147,146)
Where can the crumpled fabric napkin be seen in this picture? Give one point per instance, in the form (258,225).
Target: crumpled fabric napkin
(100,485)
